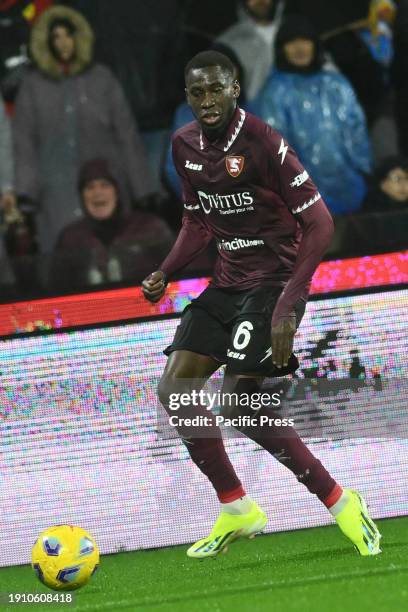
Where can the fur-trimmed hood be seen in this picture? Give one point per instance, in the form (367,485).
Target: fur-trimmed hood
(41,52)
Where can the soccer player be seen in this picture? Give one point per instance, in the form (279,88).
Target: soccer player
(244,187)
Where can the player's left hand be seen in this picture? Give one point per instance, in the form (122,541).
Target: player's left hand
(283,334)
(154,286)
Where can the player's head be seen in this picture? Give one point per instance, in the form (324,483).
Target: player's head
(212,90)
(261,10)
(297,46)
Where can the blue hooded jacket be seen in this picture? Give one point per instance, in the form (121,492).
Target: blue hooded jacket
(320,117)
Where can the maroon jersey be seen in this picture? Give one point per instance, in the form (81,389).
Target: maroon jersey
(249,192)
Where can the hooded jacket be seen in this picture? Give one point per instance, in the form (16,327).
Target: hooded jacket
(316,110)
(65,116)
(40,51)
(83,258)
(124,247)
(6,154)
(253,50)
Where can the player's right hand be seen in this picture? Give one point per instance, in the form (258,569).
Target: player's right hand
(154,286)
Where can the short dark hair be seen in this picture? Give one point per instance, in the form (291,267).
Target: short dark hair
(210,58)
(387,165)
(62,22)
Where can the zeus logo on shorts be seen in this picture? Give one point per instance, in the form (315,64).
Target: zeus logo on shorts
(226,204)
(235,355)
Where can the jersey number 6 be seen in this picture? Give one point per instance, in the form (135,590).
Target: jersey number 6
(243,335)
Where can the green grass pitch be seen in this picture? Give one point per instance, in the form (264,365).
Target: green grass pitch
(312,569)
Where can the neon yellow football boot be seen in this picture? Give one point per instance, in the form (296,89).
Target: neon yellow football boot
(357,525)
(227,528)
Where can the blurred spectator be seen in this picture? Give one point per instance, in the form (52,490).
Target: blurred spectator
(378,37)
(400,73)
(7,195)
(199,23)
(69,110)
(252,40)
(182,116)
(16,244)
(318,113)
(328,15)
(389,188)
(377,33)
(108,244)
(7,279)
(144,44)
(340,26)
(16,16)
(124,31)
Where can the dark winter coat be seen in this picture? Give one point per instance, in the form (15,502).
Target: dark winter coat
(62,121)
(83,259)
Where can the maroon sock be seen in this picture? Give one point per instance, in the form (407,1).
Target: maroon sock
(206,449)
(286,446)
(210,457)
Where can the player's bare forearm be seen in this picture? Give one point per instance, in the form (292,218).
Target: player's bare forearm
(154,286)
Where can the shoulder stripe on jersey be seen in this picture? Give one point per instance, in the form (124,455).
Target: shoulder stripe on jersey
(191,206)
(236,131)
(303,207)
(300,179)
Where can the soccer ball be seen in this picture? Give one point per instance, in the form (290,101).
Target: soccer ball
(64,557)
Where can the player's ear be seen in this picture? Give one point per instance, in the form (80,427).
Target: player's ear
(187,96)
(236,89)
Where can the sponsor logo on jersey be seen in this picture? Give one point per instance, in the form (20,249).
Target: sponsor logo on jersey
(300,179)
(191,166)
(239,243)
(303,207)
(227,204)
(234,164)
(283,149)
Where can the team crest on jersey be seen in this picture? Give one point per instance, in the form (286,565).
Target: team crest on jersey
(234,164)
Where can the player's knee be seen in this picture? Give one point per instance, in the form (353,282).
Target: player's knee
(165,389)
(230,407)
(170,389)
(237,396)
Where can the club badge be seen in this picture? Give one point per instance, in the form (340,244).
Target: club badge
(234,164)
